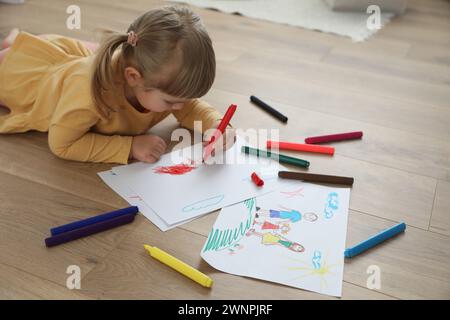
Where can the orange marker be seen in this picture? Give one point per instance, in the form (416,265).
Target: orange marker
(300,147)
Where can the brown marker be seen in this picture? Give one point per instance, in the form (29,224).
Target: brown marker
(320,178)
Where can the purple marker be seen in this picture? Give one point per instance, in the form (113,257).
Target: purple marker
(89,230)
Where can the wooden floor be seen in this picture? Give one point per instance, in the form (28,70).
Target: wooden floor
(394,87)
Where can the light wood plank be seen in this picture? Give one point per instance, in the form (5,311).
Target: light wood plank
(408,116)
(413,265)
(69,176)
(328,77)
(440,219)
(437,54)
(29,210)
(380,64)
(428,20)
(435,7)
(17,284)
(412,32)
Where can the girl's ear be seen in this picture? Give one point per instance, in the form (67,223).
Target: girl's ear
(132,76)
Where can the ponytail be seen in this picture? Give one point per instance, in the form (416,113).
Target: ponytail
(103,75)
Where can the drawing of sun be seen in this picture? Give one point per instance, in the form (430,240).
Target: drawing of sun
(318,268)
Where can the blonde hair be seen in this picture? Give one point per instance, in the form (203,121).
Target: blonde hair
(162,34)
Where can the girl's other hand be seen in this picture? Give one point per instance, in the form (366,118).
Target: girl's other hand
(147,148)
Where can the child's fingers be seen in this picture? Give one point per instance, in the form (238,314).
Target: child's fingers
(156,154)
(162,144)
(152,156)
(159,149)
(207,136)
(150,159)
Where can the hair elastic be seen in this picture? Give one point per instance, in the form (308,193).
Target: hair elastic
(132,38)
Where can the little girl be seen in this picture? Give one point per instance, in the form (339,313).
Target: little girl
(98,107)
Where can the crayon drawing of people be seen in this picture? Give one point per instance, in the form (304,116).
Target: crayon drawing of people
(292,215)
(266,225)
(269,238)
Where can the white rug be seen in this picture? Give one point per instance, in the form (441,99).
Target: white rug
(309,14)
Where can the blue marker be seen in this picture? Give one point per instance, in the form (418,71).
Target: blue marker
(92,220)
(376,239)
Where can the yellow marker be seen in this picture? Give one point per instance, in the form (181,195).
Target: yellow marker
(180,266)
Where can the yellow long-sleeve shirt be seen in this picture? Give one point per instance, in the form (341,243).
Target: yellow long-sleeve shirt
(46,85)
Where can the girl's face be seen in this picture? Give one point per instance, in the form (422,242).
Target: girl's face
(157,101)
(149,98)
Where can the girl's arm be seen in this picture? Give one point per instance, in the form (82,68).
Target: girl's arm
(69,135)
(74,144)
(197,110)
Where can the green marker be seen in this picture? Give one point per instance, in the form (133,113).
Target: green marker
(275,156)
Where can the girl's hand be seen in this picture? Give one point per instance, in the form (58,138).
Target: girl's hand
(147,148)
(228,138)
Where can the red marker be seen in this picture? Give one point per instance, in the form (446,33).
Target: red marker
(257,180)
(299,147)
(220,130)
(335,137)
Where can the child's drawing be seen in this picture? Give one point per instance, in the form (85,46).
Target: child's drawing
(229,237)
(316,259)
(234,249)
(177,169)
(178,188)
(332,204)
(283,227)
(291,215)
(203,203)
(318,268)
(295,193)
(135,197)
(286,239)
(269,238)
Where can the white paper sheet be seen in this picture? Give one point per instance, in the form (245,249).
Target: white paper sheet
(293,236)
(115,183)
(177,198)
